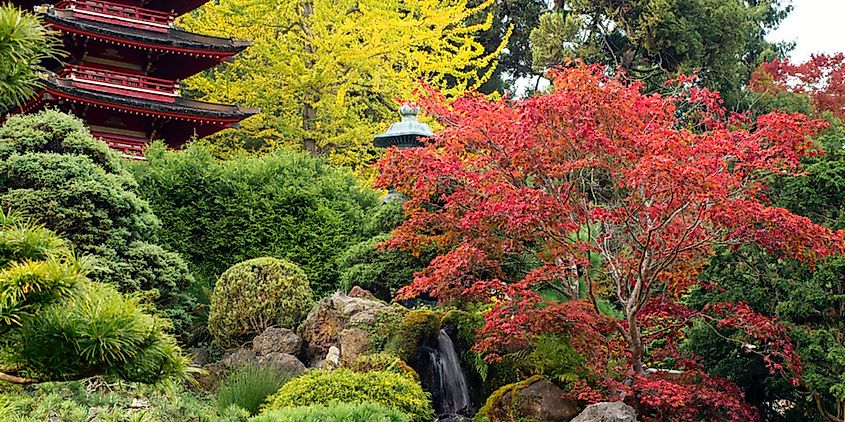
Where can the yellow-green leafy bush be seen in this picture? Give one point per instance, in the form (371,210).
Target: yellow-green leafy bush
(335,412)
(388,389)
(253,295)
(384,362)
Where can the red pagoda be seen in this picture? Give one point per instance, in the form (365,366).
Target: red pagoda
(125,61)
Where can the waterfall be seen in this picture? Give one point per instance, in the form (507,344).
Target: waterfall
(450,386)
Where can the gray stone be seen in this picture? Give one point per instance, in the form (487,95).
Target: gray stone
(277,340)
(210,376)
(360,292)
(240,357)
(286,362)
(607,412)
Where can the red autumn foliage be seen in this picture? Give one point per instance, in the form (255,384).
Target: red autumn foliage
(822,78)
(621,197)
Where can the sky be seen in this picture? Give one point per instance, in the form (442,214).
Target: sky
(817,26)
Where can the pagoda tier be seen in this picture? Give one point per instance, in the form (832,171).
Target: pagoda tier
(139,43)
(175,7)
(123,68)
(128,110)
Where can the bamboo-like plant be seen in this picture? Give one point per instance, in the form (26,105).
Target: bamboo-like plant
(24,45)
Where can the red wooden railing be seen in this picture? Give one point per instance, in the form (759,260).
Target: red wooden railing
(121,83)
(118,14)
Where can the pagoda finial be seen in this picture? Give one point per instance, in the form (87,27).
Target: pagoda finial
(405,133)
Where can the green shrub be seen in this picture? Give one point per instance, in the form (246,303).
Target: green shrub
(256,294)
(97,332)
(335,412)
(382,272)
(388,389)
(285,204)
(53,170)
(493,399)
(249,386)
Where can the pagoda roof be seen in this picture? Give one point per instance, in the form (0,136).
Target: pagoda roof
(173,40)
(57,89)
(178,7)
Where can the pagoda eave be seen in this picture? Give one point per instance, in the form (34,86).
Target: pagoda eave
(173,41)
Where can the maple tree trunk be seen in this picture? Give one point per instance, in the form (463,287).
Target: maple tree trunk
(15,379)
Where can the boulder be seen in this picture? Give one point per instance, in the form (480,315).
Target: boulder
(240,357)
(359,292)
(353,342)
(539,401)
(284,361)
(322,327)
(277,340)
(607,412)
(210,376)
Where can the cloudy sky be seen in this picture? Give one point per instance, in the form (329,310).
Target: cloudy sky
(817,26)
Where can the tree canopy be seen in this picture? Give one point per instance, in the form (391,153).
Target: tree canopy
(327,74)
(24,45)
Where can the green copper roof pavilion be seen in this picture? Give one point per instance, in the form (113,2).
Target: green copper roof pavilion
(405,133)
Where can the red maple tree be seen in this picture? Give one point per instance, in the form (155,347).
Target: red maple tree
(620,197)
(822,77)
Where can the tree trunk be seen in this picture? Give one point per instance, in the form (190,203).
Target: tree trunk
(309,114)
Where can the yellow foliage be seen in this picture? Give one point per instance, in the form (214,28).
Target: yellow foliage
(351,60)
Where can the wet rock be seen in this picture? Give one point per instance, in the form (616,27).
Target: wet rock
(607,412)
(277,340)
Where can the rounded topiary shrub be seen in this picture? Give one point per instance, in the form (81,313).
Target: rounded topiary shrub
(389,389)
(253,295)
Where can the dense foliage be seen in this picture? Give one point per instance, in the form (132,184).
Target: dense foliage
(324,88)
(220,212)
(52,169)
(24,44)
(57,325)
(335,412)
(255,295)
(653,40)
(383,388)
(650,184)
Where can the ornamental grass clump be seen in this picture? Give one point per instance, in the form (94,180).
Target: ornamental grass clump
(249,386)
(392,390)
(256,294)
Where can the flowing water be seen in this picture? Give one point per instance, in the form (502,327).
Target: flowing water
(450,386)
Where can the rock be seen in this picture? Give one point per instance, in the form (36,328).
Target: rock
(607,412)
(284,361)
(199,356)
(539,401)
(361,293)
(353,342)
(210,378)
(240,357)
(277,340)
(323,325)
(139,404)
(332,360)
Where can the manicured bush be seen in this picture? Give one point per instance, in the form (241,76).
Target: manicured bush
(335,412)
(53,170)
(388,389)
(249,386)
(256,294)
(284,204)
(382,272)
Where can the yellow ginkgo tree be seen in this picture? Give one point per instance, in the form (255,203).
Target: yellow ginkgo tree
(329,74)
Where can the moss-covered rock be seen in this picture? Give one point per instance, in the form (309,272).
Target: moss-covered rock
(531,400)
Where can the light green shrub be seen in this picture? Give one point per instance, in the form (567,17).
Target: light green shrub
(249,386)
(388,389)
(335,412)
(384,362)
(256,294)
